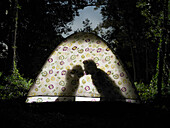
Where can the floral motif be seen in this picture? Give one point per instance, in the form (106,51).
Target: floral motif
(39,100)
(47,80)
(83,81)
(124,81)
(82,56)
(93,100)
(74,41)
(123,89)
(107,58)
(96,59)
(63,89)
(81,51)
(106,65)
(51,71)
(99,50)
(38,81)
(88,55)
(87,49)
(50,60)
(74,48)
(112,66)
(116,76)
(119,82)
(62,62)
(44,73)
(87,40)
(51,86)
(36,89)
(63,72)
(52,78)
(73,57)
(61,57)
(62,83)
(121,74)
(68,67)
(107,49)
(33,93)
(87,88)
(43,90)
(98,42)
(88,78)
(80,91)
(118,63)
(108,72)
(65,48)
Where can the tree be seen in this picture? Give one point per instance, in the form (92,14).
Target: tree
(15,35)
(157,33)
(162,47)
(7,33)
(39,29)
(124,27)
(86,26)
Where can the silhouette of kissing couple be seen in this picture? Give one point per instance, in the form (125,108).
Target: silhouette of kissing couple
(106,87)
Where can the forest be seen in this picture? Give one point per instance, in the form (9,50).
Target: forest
(137,30)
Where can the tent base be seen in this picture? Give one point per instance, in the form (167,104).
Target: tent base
(39,99)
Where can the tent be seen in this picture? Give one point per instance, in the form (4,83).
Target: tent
(82,68)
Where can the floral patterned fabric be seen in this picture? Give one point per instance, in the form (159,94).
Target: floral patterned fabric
(57,80)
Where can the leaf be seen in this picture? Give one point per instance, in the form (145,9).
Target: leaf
(2,87)
(18,6)
(1,74)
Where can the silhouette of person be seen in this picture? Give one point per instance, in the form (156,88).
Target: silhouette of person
(72,83)
(104,84)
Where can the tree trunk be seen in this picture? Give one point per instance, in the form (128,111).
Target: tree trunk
(133,62)
(146,63)
(15,35)
(162,49)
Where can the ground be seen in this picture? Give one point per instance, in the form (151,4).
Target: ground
(81,114)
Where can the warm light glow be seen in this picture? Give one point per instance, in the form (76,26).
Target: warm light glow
(63,75)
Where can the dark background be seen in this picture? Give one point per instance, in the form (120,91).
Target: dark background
(136,35)
(137,31)
(41,24)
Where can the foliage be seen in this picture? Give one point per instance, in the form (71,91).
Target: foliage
(124,28)
(154,33)
(41,24)
(146,92)
(14,85)
(86,26)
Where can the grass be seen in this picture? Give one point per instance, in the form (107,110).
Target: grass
(16,113)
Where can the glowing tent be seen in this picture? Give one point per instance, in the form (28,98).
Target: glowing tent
(82,68)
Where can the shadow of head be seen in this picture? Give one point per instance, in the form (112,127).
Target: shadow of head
(90,66)
(77,71)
